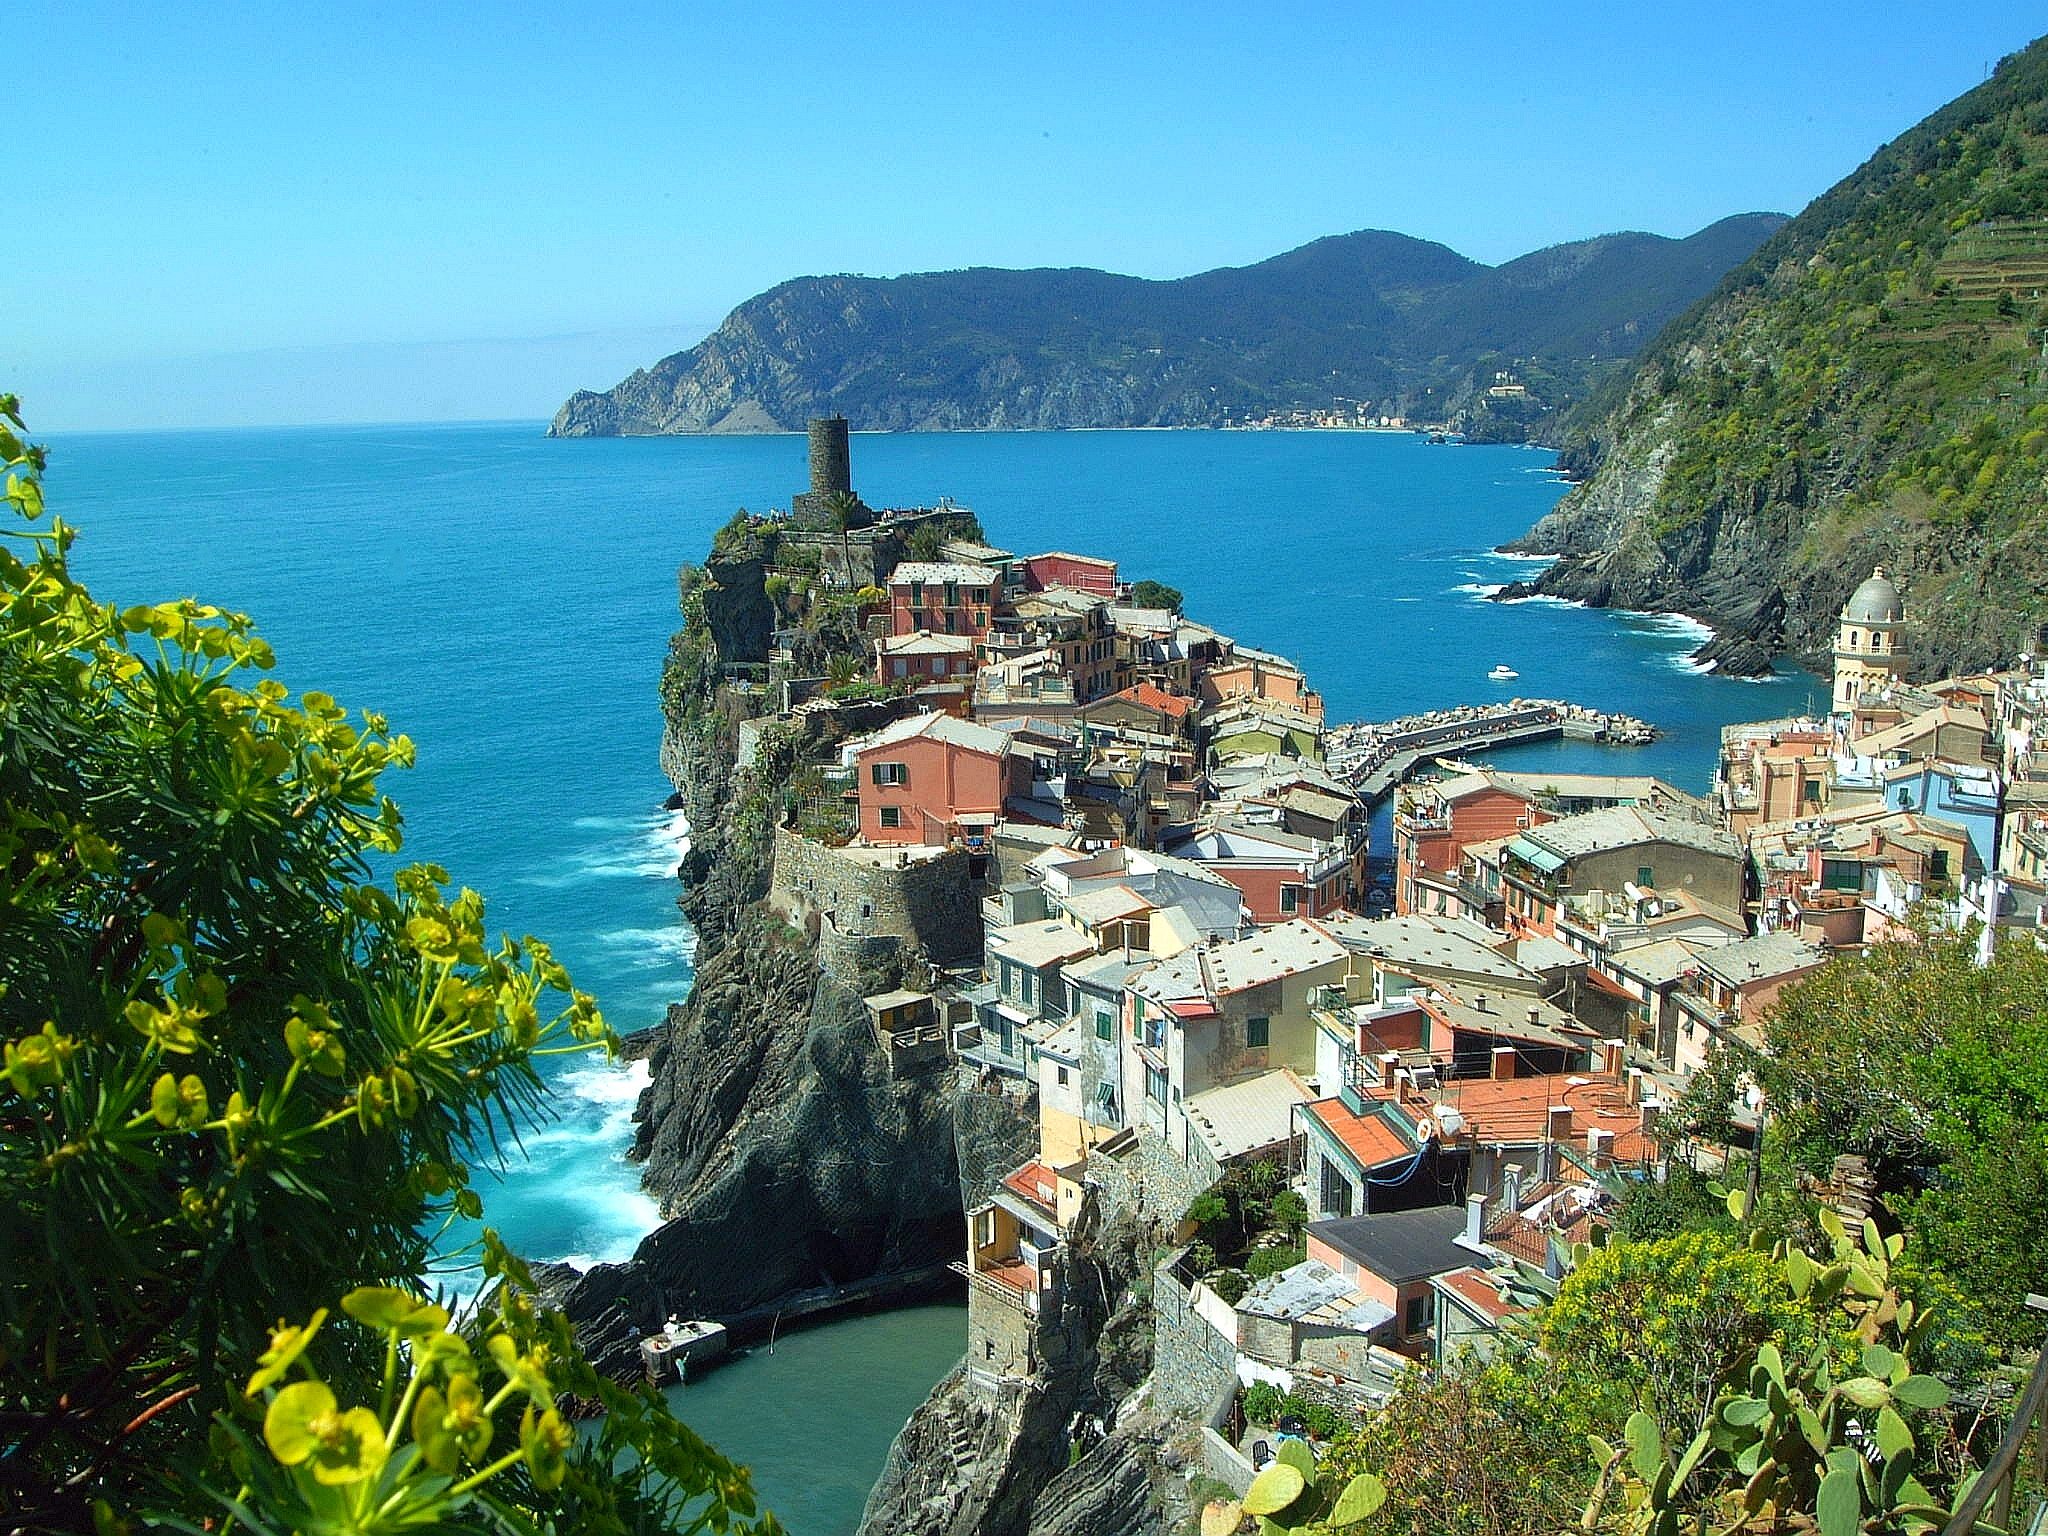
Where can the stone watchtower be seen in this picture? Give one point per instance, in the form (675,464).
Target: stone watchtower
(1870,652)
(831,475)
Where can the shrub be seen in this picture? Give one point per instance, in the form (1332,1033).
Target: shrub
(1270,1261)
(1230,1284)
(1262,1403)
(242,1087)
(1208,1209)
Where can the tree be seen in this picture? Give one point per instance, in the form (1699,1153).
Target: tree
(1156,594)
(847,512)
(1935,1070)
(241,1086)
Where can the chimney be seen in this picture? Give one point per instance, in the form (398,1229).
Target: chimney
(1600,1147)
(1535,1013)
(1653,1111)
(1611,1053)
(1479,1003)
(1475,1220)
(1503,1063)
(1389,1063)
(1636,1075)
(1511,1186)
(1557,1125)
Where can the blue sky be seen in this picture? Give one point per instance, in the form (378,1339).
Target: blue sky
(238,213)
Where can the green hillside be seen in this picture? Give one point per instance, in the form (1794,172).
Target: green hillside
(1409,325)
(1868,387)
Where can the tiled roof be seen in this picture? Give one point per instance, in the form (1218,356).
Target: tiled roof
(1476,1291)
(1761,958)
(1369,1138)
(1626,827)
(925,643)
(1036,1183)
(1286,949)
(935,726)
(1246,1116)
(1146,696)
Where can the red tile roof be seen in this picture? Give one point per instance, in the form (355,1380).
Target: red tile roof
(1366,1137)
(1035,1182)
(1479,1293)
(1147,696)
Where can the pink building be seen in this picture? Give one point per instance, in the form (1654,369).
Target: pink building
(934,779)
(1057,568)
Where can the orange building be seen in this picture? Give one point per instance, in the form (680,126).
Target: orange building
(933,779)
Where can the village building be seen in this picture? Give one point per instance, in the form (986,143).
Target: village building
(1145,709)
(934,780)
(923,657)
(1732,988)
(1014,1267)
(1263,677)
(1627,849)
(942,598)
(1218,1038)
(1081,573)
(1282,875)
(1392,1258)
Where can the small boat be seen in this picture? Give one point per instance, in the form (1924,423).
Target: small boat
(1503,673)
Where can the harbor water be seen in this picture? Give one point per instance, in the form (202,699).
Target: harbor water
(506,600)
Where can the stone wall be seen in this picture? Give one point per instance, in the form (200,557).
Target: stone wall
(866,910)
(1191,1362)
(1149,1181)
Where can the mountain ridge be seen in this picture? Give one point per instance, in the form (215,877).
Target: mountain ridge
(1408,324)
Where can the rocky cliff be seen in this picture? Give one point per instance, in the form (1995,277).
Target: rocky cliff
(1075,1450)
(1406,323)
(1869,387)
(788,1165)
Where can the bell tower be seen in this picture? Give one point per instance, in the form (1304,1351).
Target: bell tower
(1870,652)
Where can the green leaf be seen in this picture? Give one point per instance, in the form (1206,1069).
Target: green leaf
(1893,1437)
(1645,1445)
(1298,1456)
(1878,1361)
(1691,1458)
(1838,1506)
(1865,1391)
(1274,1489)
(288,1421)
(1922,1392)
(1738,1203)
(1745,1410)
(1799,1271)
(1773,1363)
(1221,1517)
(1361,1499)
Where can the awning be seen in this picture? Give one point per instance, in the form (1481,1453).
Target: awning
(1531,853)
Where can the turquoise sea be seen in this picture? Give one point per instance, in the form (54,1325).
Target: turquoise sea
(506,599)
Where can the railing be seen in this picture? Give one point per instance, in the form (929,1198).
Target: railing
(1994,1484)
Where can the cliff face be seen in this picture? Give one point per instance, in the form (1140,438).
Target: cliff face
(1867,389)
(983,1457)
(1374,316)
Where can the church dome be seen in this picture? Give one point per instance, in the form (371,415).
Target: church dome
(1875,602)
